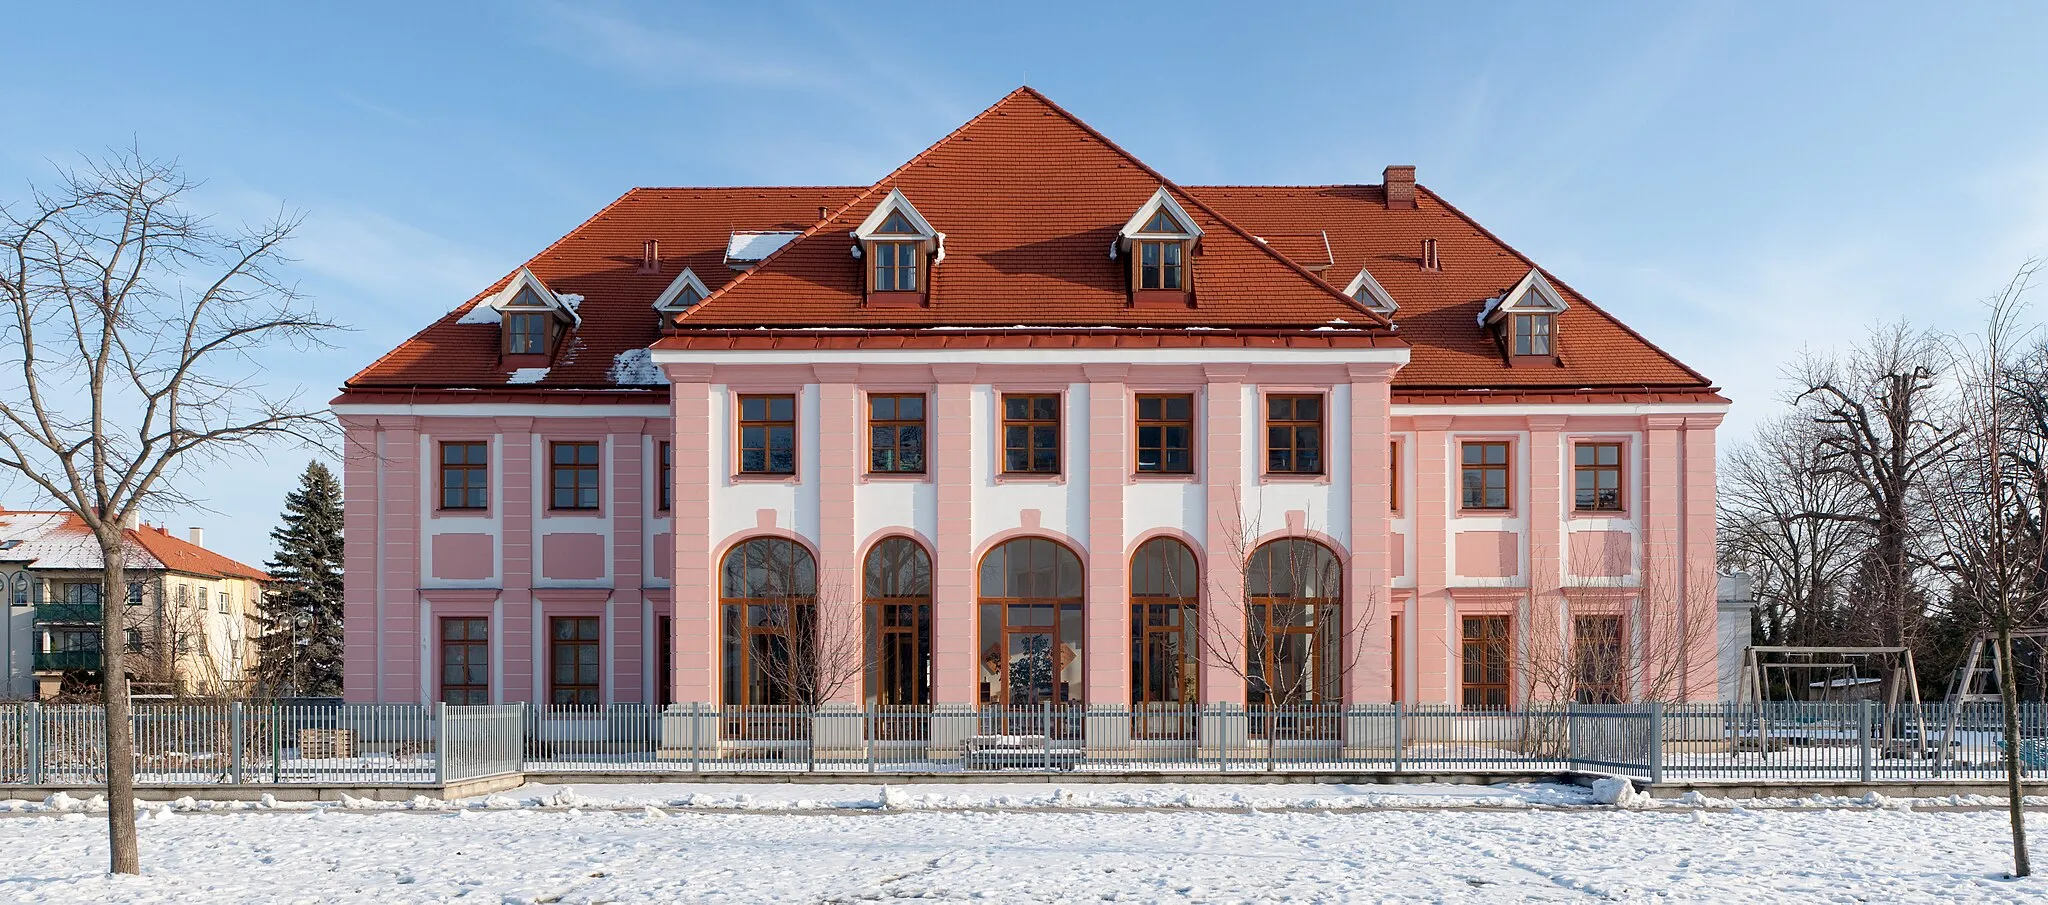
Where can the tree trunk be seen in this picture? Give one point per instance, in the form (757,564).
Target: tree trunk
(122,850)
(2008,698)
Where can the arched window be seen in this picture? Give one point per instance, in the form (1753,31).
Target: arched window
(767,595)
(1295,591)
(1031,629)
(897,586)
(20,592)
(1164,589)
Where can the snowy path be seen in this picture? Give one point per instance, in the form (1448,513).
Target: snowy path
(1460,854)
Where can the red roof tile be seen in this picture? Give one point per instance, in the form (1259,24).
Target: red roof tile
(1030,200)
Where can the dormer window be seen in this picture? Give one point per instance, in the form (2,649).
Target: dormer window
(1532,334)
(1159,239)
(900,247)
(526,333)
(896,266)
(1159,265)
(1369,293)
(681,295)
(1523,321)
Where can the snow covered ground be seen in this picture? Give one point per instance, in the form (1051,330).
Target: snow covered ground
(1025,842)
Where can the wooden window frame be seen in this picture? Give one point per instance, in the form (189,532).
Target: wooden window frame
(895,426)
(543,338)
(896,267)
(596,470)
(664,477)
(1069,620)
(1178,268)
(790,614)
(1520,326)
(1293,425)
(1619,469)
(470,471)
(767,423)
(887,618)
(1265,620)
(1506,468)
(1394,476)
(470,645)
(1181,599)
(1490,646)
(585,693)
(1031,425)
(1604,652)
(1162,423)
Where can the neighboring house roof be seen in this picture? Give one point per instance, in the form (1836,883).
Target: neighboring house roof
(60,540)
(1028,201)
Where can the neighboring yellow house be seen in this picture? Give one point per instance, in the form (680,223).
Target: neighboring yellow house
(192,613)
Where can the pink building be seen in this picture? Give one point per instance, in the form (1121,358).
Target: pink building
(1026,423)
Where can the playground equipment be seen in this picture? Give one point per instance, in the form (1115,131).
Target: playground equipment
(1837,675)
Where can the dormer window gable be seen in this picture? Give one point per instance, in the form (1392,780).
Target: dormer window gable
(533,319)
(1370,294)
(898,249)
(1523,321)
(681,295)
(1158,243)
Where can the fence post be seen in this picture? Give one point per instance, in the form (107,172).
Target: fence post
(1047,747)
(1272,729)
(1656,743)
(868,719)
(1865,756)
(235,730)
(811,743)
(35,743)
(441,743)
(1400,737)
(696,719)
(276,741)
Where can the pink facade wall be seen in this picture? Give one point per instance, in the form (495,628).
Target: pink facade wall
(521,564)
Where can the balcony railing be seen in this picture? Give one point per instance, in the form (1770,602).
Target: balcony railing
(51,660)
(68,612)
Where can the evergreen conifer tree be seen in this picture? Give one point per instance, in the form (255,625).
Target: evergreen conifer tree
(300,649)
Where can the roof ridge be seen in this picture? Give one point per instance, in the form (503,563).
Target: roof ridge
(848,206)
(1558,282)
(494,285)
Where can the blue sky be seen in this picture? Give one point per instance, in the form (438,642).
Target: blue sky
(1738,182)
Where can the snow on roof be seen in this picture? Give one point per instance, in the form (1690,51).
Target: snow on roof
(528,375)
(635,367)
(479,313)
(753,246)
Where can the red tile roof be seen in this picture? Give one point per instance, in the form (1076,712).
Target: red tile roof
(61,540)
(1030,200)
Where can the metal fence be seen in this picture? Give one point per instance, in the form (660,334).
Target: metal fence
(396,744)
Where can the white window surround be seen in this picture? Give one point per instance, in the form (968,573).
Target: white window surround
(550,301)
(1368,292)
(895,203)
(670,300)
(1134,228)
(1533,295)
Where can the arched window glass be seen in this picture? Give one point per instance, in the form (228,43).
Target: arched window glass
(1164,591)
(1031,628)
(897,587)
(768,589)
(1294,588)
(19,595)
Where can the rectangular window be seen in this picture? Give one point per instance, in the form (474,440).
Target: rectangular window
(1159,265)
(896,433)
(1597,659)
(664,660)
(572,475)
(1485,685)
(223,601)
(1031,434)
(526,334)
(1532,334)
(1596,477)
(465,475)
(664,482)
(1393,477)
(1484,475)
(572,656)
(1166,434)
(465,660)
(896,266)
(768,434)
(81,595)
(1294,434)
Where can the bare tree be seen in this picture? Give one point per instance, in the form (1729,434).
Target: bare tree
(1987,506)
(1630,642)
(128,358)
(1278,617)
(823,653)
(1779,508)
(1883,423)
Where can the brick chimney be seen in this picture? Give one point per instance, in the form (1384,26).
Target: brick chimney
(1400,184)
